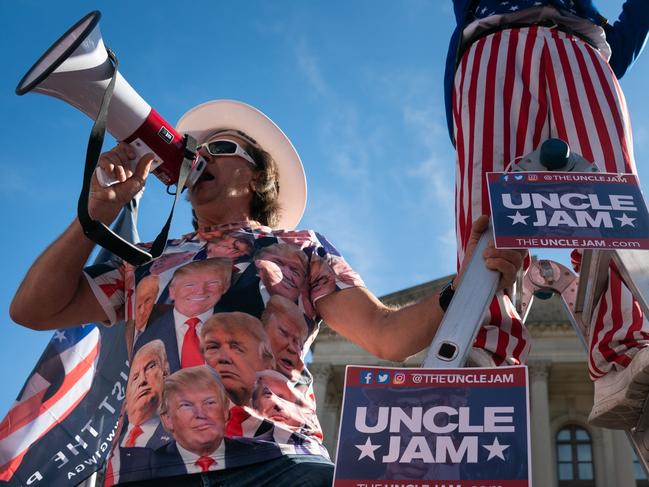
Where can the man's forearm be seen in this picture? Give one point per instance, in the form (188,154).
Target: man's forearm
(411,329)
(391,334)
(627,36)
(55,283)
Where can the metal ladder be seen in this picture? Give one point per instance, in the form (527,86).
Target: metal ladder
(580,295)
(457,331)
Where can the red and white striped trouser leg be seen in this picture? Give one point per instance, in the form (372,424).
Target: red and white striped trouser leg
(513,90)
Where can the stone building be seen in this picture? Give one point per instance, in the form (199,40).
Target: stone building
(566,451)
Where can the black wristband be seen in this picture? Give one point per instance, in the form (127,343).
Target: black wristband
(445,295)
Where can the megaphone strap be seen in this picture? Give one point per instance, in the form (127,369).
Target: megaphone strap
(161,240)
(97,231)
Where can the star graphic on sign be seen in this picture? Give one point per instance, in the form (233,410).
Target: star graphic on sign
(496,449)
(518,218)
(367,449)
(60,336)
(625,220)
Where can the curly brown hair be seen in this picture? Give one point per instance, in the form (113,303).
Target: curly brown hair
(264,206)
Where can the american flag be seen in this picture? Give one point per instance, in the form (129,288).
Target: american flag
(59,430)
(61,379)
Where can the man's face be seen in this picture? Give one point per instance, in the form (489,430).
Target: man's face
(145,296)
(224,177)
(235,356)
(144,387)
(287,336)
(196,419)
(282,272)
(277,402)
(322,278)
(228,246)
(197,291)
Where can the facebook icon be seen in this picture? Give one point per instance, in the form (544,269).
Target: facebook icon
(366,377)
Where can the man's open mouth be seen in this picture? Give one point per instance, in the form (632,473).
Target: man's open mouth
(205,176)
(287,363)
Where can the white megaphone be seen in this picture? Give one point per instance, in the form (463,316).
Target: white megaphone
(76,69)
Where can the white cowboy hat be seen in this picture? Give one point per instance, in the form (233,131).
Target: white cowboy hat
(203,120)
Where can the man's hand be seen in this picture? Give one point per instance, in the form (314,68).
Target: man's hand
(55,293)
(506,261)
(105,202)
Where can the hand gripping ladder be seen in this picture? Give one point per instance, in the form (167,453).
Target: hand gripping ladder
(459,327)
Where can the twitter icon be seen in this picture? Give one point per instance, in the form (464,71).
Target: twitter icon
(383,377)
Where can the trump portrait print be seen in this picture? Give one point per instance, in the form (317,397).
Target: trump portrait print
(219,327)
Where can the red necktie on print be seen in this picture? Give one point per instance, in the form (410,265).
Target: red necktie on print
(190,354)
(234,425)
(132,436)
(204,463)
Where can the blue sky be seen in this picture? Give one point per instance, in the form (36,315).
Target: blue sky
(356,85)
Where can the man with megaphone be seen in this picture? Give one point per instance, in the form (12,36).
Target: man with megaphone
(254,188)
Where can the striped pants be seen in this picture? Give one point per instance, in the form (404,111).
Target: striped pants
(513,90)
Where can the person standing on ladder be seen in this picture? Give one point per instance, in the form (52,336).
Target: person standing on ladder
(519,72)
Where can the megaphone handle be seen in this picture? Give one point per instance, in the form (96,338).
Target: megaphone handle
(140,150)
(103,178)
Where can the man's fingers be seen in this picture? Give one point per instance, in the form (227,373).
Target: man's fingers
(136,181)
(479,226)
(507,269)
(125,151)
(121,155)
(515,256)
(507,262)
(144,166)
(477,229)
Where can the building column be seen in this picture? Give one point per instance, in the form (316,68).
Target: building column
(621,459)
(321,373)
(543,463)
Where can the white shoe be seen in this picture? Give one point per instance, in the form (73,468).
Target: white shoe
(479,357)
(620,395)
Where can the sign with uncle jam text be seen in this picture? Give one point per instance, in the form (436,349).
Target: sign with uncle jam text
(568,210)
(465,427)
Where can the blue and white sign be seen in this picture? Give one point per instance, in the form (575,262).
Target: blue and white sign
(425,428)
(568,210)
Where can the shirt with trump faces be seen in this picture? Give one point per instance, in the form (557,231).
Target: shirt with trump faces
(255,291)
